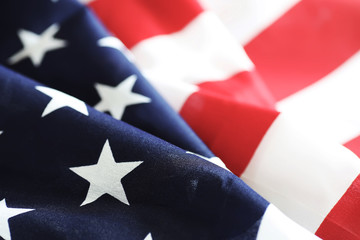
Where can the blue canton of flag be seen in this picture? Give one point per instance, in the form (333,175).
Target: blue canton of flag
(61,44)
(68,171)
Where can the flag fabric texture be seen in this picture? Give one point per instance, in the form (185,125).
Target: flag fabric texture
(285,121)
(69,171)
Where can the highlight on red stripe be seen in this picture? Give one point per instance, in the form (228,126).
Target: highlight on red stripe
(243,87)
(232,127)
(354,145)
(343,220)
(135,20)
(305,44)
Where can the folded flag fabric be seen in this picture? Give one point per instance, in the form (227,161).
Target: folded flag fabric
(303,50)
(61,44)
(217,89)
(68,171)
(307,53)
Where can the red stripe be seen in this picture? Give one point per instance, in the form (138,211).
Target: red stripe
(354,145)
(305,44)
(343,221)
(231,126)
(135,20)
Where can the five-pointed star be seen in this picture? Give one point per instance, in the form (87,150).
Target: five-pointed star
(105,176)
(113,42)
(60,100)
(116,99)
(214,160)
(5,214)
(35,46)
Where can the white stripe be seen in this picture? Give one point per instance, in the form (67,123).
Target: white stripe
(174,92)
(330,107)
(303,176)
(275,225)
(247,18)
(203,51)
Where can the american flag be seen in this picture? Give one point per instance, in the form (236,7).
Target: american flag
(69,171)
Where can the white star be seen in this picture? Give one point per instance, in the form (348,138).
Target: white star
(148,237)
(5,214)
(105,176)
(35,46)
(115,43)
(116,99)
(214,160)
(1,132)
(60,100)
